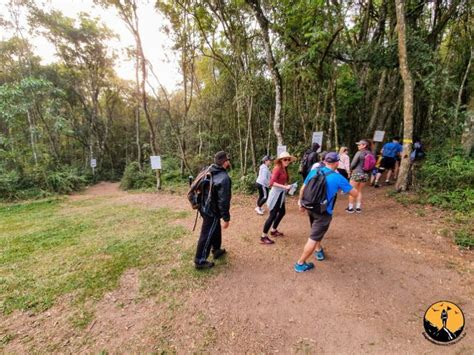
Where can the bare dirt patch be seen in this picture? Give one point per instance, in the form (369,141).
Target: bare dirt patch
(383,269)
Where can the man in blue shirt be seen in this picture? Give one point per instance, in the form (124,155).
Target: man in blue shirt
(320,222)
(390,154)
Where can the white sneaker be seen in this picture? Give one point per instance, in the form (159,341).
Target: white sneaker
(259,211)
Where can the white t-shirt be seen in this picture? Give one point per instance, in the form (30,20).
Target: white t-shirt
(317,165)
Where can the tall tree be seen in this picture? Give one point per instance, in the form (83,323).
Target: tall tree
(402,181)
(127,10)
(272,65)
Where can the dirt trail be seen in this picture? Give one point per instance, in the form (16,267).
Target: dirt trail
(384,268)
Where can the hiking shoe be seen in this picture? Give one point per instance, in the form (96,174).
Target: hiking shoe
(303,267)
(218,253)
(350,210)
(358,210)
(266,240)
(377,185)
(276,234)
(319,254)
(204,265)
(259,211)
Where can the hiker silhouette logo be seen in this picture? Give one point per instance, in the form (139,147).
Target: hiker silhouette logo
(443,322)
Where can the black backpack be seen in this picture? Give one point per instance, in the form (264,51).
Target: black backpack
(303,168)
(315,192)
(200,192)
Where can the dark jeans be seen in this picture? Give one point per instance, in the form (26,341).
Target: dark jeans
(262,194)
(276,215)
(211,237)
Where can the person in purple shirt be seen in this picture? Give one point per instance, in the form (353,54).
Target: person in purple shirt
(390,154)
(320,222)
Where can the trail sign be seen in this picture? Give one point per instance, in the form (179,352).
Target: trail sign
(281,149)
(318,138)
(155,162)
(378,136)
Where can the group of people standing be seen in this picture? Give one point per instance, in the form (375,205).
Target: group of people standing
(351,170)
(340,173)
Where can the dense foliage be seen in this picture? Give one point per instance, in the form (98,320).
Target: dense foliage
(338,67)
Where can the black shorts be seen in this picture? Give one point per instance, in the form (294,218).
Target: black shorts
(344,173)
(387,163)
(319,225)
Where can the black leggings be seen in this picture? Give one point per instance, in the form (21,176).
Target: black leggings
(276,215)
(262,194)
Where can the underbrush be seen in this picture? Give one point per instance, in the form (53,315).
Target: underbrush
(446,180)
(40,182)
(144,178)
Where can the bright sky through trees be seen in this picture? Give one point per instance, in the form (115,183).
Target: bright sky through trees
(156,44)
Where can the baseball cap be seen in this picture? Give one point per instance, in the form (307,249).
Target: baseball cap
(331,157)
(362,141)
(266,157)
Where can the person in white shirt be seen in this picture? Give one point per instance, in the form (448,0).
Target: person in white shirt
(263,183)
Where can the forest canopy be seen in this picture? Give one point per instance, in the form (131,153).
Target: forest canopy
(253,74)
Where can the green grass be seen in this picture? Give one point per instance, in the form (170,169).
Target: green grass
(52,248)
(460,229)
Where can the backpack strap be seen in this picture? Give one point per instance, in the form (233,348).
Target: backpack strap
(335,196)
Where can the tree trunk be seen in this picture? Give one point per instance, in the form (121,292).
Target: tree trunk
(137,112)
(272,65)
(32,137)
(330,91)
(461,88)
(467,139)
(378,99)
(241,148)
(252,143)
(334,115)
(402,180)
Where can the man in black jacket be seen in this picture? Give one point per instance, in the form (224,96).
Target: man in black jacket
(211,234)
(310,157)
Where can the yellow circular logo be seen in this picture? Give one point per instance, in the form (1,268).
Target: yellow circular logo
(443,321)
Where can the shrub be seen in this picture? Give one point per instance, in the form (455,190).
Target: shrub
(9,184)
(245,184)
(448,180)
(39,182)
(464,238)
(65,181)
(135,178)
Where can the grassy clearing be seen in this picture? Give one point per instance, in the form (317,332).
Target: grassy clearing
(55,247)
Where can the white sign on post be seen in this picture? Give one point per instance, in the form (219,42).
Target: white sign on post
(281,149)
(378,136)
(155,162)
(318,138)
(93,163)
